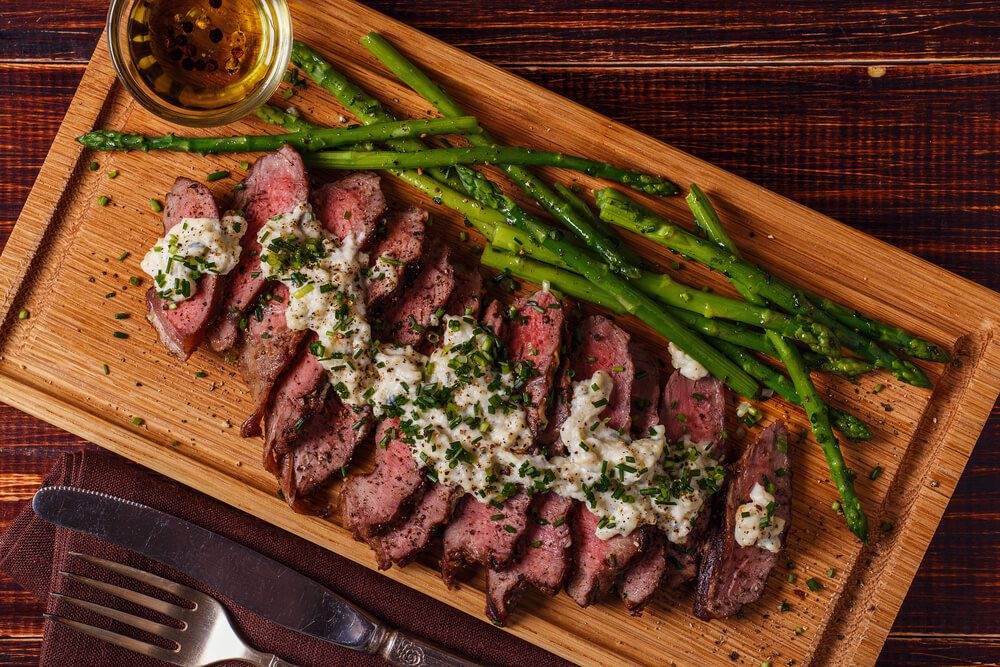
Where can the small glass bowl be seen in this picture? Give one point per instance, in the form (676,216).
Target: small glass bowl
(276,48)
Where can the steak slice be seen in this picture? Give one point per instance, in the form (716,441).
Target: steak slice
(483,533)
(182,329)
(701,405)
(375,502)
(643,576)
(407,322)
(402,544)
(467,297)
(731,575)
(327,442)
(535,337)
(300,392)
(400,247)
(544,563)
(352,204)
(277,182)
(266,349)
(493,318)
(598,563)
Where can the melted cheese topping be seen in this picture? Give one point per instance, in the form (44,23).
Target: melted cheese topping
(326,282)
(192,248)
(756,524)
(687,365)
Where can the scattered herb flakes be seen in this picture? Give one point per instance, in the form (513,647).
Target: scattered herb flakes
(281,494)
(138,421)
(110,295)
(175,443)
(784,606)
(832,573)
(120,334)
(813,584)
(217,175)
(800,630)
(125,255)
(103,200)
(201,374)
(121,316)
(106,369)
(877,388)
(765,663)
(244,164)
(93,166)
(135,281)
(792,578)
(155,205)
(23,314)
(874,474)
(113,174)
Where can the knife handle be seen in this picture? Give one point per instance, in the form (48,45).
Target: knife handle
(401,649)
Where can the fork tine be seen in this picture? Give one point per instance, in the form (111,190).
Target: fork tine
(135,645)
(139,622)
(165,608)
(180,590)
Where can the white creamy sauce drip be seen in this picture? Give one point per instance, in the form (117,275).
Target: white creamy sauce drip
(190,249)
(686,364)
(756,523)
(476,439)
(326,285)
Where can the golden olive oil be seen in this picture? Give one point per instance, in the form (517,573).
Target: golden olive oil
(201,54)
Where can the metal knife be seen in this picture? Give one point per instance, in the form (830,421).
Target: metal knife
(250,579)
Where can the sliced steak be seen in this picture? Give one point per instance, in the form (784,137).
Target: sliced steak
(598,563)
(643,576)
(183,328)
(731,575)
(467,297)
(274,186)
(483,533)
(300,392)
(697,409)
(327,442)
(402,544)
(544,563)
(493,318)
(373,503)
(400,247)
(534,337)
(351,205)
(407,322)
(266,349)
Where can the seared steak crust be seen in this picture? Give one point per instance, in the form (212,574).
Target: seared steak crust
(400,247)
(182,329)
(598,563)
(484,533)
(402,544)
(407,322)
(300,393)
(730,575)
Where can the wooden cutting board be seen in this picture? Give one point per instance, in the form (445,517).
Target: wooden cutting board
(62,264)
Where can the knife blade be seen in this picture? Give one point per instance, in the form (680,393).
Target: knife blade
(252,580)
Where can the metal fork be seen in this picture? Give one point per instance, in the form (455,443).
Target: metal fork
(207,635)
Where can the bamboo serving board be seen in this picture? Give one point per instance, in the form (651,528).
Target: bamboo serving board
(62,264)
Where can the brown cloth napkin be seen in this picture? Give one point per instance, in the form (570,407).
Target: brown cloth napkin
(33,551)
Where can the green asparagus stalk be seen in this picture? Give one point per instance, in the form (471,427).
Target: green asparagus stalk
(619,210)
(594,236)
(665,289)
(447,157)
(291,122)
(306,141)
(816,408)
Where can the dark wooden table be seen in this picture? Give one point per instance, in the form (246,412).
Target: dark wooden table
(884,116)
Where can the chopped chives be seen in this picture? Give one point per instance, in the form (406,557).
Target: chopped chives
(121,316)
(103,200)
(813,585)
(244,164)
(201,374)
(120,334)
(23,314)
(135,281)
(106,369)
(125,255)
(155,205)
(876,471)
(138,421)
(217,175)
(831,573)
(110,295)
(113,174)
(93,166)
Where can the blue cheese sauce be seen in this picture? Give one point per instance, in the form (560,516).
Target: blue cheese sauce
(756,524)
(190,249)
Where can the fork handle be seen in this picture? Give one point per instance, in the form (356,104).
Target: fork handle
(398,648)
(262,659)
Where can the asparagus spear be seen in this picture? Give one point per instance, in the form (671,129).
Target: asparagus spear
(816,409)
(593,236)
(308,140)
(291,122)
(447,157)
(619,210)
(580,288)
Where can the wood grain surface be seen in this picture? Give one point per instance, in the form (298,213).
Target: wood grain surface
(793,99)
